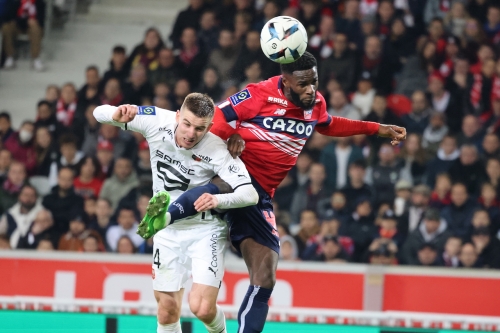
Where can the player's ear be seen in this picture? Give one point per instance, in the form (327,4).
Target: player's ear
(210,126)
(177,116)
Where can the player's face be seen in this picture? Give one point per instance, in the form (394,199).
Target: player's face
(301,87)
(190,129)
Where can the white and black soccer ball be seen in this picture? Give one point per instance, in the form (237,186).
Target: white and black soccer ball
(283,39)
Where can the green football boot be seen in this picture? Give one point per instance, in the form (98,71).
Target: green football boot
(156,217)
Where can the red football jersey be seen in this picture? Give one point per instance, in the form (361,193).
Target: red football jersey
(274,129)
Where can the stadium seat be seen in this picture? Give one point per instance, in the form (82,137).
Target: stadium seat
(41,184)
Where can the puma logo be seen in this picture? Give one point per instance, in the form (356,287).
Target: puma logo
(212,270)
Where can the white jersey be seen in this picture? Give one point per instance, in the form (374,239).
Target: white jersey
(176,169)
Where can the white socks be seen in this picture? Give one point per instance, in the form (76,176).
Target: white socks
(169,328)
(218,325)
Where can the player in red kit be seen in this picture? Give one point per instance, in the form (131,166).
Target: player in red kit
(273,119)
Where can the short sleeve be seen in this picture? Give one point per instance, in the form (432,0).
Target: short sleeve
(324,119)
(243,105)
(233,172)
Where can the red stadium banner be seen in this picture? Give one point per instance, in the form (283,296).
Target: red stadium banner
(118,278)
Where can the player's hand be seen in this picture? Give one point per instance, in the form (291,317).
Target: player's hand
(205,202)
(125,113)
(396,133)
(235,145)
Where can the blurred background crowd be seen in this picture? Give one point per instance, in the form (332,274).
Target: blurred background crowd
(70,183)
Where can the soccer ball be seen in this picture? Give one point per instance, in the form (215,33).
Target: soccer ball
(283,39)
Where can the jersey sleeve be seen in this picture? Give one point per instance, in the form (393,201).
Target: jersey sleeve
(233,171)
(146,121)
(243,105)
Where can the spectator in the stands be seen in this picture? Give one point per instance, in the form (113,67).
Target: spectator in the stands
(492,26)
(88,133)
(224,58)
(340,107)
(45,116)
(340,65)
(70,156)
(431,231)
(41,228)
(146,53)
(66,105)
(427,255)
(487,247)
(138,90)
(123,143)
(418,119)
(332,250)
(471,132)
(209,31)
(310,194)
(63,202)
(125,245)
(382,252)
(321,43)
(490,146)
(117,69)
(401,203)
(112,94)
(468,169)
(253,74)
(360,227)
(211,84)
(73,239)
(9,190)
(189,17)
(380,113)
(349,23)
(414,215)
(89,181)
(356,186)
(445,158)
(92,244)
(309,227)
(473,37)
(6,131)
(45,150)
(21,146)
(45,245)
(123,180)
(5,161)
(443,102)
(102,219)
(469,257)
(127,226)
(335,205)
(441,193)
(489,203)
(451,252)
(388,229)
(168,70)
(52,94)
(401,42)
(16,221)
(89,92)
(242,24)
(384,175)
(143,166)
(288,248)
(105,156)
(310,15)
(380,66)
(364,95)
(456,18)
(181,90)
(435,132)
(493,173)
(192,57)
(459,213)
(414,158)
(23,16)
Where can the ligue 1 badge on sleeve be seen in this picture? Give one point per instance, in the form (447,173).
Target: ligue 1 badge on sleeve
(308,114)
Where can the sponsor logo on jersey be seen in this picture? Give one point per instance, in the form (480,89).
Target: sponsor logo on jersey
(291,126)
(308,114)
(199,158)
(240,97)
(213,246)
(172,173)
(147,111)
(162,129)
(178,205)
(280,112)
(277,100)
(233,168)
(170,160)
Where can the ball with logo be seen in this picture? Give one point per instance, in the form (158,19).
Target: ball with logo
(283,39)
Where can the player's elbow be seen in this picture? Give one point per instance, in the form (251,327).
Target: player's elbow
(253,197)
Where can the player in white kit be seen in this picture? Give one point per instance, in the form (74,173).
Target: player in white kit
(184,155)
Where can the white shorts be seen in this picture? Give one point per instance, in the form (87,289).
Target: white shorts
(180,253)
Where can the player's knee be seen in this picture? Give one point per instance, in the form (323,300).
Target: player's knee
(204,311)
(264,277)
(168,311)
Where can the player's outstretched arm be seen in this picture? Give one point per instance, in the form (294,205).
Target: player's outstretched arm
(244,195)
(112,115)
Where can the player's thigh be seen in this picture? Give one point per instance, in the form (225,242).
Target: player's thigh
(261,261)
(171,267)
(207,255)
(203,299)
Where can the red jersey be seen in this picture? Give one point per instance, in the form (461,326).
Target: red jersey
(275,130)
(87,190)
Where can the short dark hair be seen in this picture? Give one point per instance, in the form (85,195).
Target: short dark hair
(359,164)
(92,68)
(29,186)
(68,138)
(307,61)
(5,115)
(44,102)
(119,49)
(201,105)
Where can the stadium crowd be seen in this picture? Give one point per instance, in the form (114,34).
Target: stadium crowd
(70,183)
